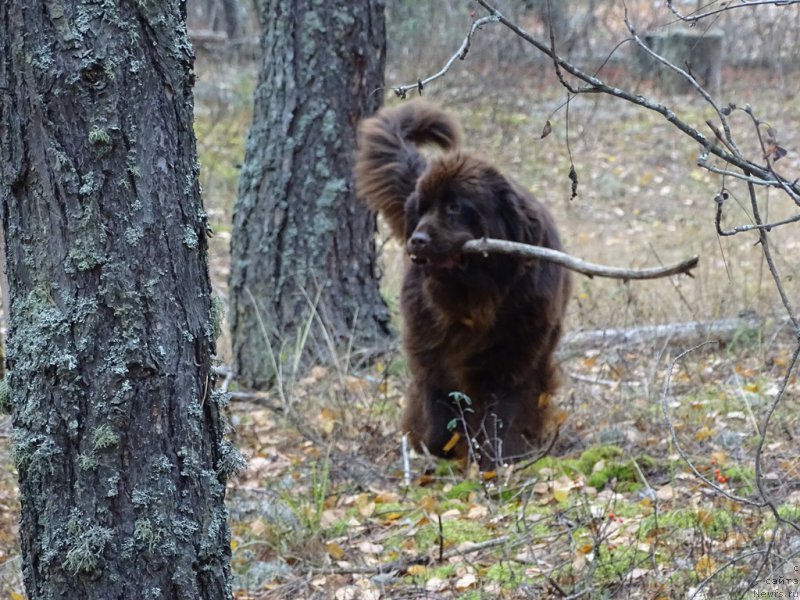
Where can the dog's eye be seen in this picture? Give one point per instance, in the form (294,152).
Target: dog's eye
(453,207)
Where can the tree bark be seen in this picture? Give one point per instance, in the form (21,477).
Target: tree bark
(118,435)
(303,250)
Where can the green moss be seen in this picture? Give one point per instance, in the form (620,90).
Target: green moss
(5,396)
(612,564)
(87,462)
(624,471)
(146,534)
(99,136)
(454,531)
(217,318)
(592,456)
(231,462)
(463,489)
(505,573)
(85,544)
(133,235)
(104,437)
(716,524)
(190,238)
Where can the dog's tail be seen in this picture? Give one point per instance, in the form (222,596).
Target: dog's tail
(388,163)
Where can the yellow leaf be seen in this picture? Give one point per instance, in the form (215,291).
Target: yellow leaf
(704,566)
(417,570)
(560,493)
(327,420)
(392,516)
(234,545)
(451,442)
(703,434)
(704,517)
(429,504)
(488,475)
(17,596)
(335,551)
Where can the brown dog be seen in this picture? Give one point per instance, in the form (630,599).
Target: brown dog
(480,332)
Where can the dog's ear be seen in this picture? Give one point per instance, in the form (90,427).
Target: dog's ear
(411,211)
(517,215)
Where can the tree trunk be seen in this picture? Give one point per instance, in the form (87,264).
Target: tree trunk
(302,243)
(118,437)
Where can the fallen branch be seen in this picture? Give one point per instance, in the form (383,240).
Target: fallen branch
(676,334)
(402,565)
(488,246)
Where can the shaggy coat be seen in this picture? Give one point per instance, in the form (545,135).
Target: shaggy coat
(479,331)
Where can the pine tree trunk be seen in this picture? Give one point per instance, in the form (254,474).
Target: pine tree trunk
(302,243)
(118,437)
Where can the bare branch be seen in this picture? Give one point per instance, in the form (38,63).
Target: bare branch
(729,6)
(487,246)
(596,85)
(461,54)
(664,395)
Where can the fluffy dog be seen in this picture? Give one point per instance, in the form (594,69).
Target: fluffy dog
(479,332)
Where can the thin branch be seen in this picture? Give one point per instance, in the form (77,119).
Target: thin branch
(766,249)
(763,437)
(720,200)
(461,54)
(487,246)
(674,435)
(725,137)
(598,86)
(730,6)
(402,565)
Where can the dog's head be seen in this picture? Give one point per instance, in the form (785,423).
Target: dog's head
(461,198)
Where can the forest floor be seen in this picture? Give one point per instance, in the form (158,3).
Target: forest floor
(651,491)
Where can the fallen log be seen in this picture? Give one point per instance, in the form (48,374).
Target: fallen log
(684,335)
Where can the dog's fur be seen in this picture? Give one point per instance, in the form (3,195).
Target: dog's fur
(485,327)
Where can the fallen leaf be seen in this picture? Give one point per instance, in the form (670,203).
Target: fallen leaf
(435,584)
(665,493)
(547,129)
(370,548)
(451,443)
(704,566)
(466,582)
(335,551)
(349,592)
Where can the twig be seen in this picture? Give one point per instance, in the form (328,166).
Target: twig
(679,448)
(461,54)
(403,564)
(260,398)
(598,86)
(746,3)
(487,246)
(406,462)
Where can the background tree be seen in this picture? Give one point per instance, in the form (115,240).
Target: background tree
(118,437)
(303,246)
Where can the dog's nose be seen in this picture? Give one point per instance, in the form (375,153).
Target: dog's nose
(418,241)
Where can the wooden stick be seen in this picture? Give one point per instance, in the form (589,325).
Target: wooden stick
(488,246)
